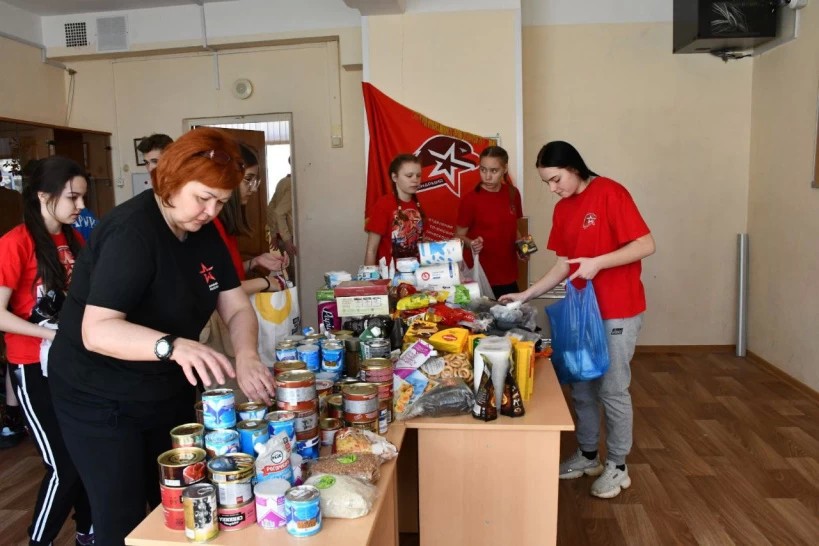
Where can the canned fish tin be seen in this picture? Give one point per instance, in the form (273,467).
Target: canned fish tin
(221,442)
(188,435)
(329,427)
(372,426)
(332,356)
(282,421)
(303,511)
(231,467)
(181,466)
(270,503)
(296,390)
(219,409)
(288,366)
(294,338)
(324,388)
(384,416)
(234,518)
(252,432)
(310,355)
(201,523)
(251,410)
(338,385)
(375,348)
(376,370)
(171,498)
(360,402)
(234,493)
(286,350)
(309,448)
(174,519)
(306,421)
(335,406)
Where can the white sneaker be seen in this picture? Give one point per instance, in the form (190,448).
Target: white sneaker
(611,482)
(577,465)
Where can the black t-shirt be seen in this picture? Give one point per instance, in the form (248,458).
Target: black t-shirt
(135,264)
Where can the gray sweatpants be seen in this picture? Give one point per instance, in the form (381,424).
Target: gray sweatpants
(610,391)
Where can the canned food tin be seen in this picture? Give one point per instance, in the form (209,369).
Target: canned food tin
(375,348)
(360,402)
(221,442)
(384,390)
(324,388)
(233,518)
(306,420)
(338,385)
(282,421)
(309,448)
(376,370)
(251,410)
(270,503)
(198,409)
(303,511)
(252,432)
(199,503)
(332,356)
(384,416)
(372,426)
(231,467)
(288,366)
(188,435)
(294,338)
(234,493)
(174,519)
(296,390)
(181,466)
(310,355)
(314,338)
(219,409)
(335,406)
(329,427)
(352,354)
(171,497)
(341,334)
(286,350)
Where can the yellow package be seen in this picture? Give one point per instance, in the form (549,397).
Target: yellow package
(414,301)
(420,329)
(451,340)
(524,352)
(471,341)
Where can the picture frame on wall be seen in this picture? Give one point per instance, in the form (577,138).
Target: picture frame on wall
(140,160)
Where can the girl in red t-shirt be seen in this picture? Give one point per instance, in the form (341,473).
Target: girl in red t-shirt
(396,223)
(36,261)
(597,233)
(488,222)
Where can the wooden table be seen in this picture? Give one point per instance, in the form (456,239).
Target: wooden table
(492,483)
(378,528)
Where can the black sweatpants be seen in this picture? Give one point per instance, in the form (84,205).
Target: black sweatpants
(61,488)
(115,445)
(503,289)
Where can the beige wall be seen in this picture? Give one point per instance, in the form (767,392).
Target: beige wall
(136,97)
(783,210)
(674,129)
(29,89)
(456,68)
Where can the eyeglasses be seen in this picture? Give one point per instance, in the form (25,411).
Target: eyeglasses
(219,157)
(252,181)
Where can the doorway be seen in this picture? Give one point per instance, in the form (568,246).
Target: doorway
(271,135)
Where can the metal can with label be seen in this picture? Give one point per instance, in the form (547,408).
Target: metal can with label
(171,497)
(352,355)
(296,390)
(252,432)
(199,410)
(251,410)
(338,385)
(221,442)
(219,409)
(329,427)
(375,348)
(332,357)
(181,466)
(310,354)
(232,475)
(303,511)
(372,426)
(384,416)
(324,388)
(286,350)
(201,520)
(287,366)
(294,338)
(188,435)
(376,370)
(306,424)
(314,338)
(360,402)
(174,518)
(335,406)
(282,421)
(234,518)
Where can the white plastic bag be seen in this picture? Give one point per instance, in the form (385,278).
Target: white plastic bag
(479,277)
(45,346)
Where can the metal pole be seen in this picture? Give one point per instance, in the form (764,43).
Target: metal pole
(742,294)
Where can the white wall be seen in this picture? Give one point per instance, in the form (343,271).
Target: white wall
(574,12)
(20,23)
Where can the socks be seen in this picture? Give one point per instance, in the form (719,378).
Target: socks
(590,455)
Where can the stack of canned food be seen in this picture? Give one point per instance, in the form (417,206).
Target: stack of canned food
(232,476)
(320,355)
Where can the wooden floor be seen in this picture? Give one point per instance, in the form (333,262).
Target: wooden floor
(724,453)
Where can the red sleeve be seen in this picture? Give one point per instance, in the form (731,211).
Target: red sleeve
(466,211)
(626,222)
(518,203)
(380,219)
(13,250)
(556,241)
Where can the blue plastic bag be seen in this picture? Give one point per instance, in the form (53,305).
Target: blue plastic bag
(578,338)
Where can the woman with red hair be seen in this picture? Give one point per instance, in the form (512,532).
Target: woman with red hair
(128,348)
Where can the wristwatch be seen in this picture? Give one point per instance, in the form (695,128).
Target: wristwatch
(163,349)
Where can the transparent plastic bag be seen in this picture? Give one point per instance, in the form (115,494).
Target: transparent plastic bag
(343,496)
(478,275)
(451,397)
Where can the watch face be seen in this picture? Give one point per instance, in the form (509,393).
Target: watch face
(163,347)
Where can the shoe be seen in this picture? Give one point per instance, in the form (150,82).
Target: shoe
(10,438)
(577,465)
(611,482)
(85,539)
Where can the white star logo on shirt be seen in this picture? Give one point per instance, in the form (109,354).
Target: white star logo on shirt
(448,164)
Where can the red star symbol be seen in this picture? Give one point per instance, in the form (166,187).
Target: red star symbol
(206,273)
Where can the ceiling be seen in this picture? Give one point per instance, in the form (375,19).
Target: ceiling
(65,7)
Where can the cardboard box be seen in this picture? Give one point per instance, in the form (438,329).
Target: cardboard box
(380,287)
(359,306)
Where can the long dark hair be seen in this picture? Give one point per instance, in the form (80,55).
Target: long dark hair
(49,176)
(234,215)
(395,166)
(563,155)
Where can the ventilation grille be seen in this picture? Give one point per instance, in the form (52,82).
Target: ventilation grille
(112,34)
(75,35)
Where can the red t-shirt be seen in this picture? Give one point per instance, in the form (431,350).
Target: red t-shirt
(401,227)
(493,216)
(232,244)
(597,221)
(18,271)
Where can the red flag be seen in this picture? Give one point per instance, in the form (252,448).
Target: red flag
(449,159)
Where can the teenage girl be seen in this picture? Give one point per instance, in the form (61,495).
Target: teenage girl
(396,223)
(36,262)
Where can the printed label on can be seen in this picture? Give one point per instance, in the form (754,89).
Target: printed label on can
(306,420)
(360,406)
(270,512)
(233,493)
(238,517)
(295,395)
(201,522)
(383,420)
(286,353)
(303,516)
(328,436)
(219,409)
